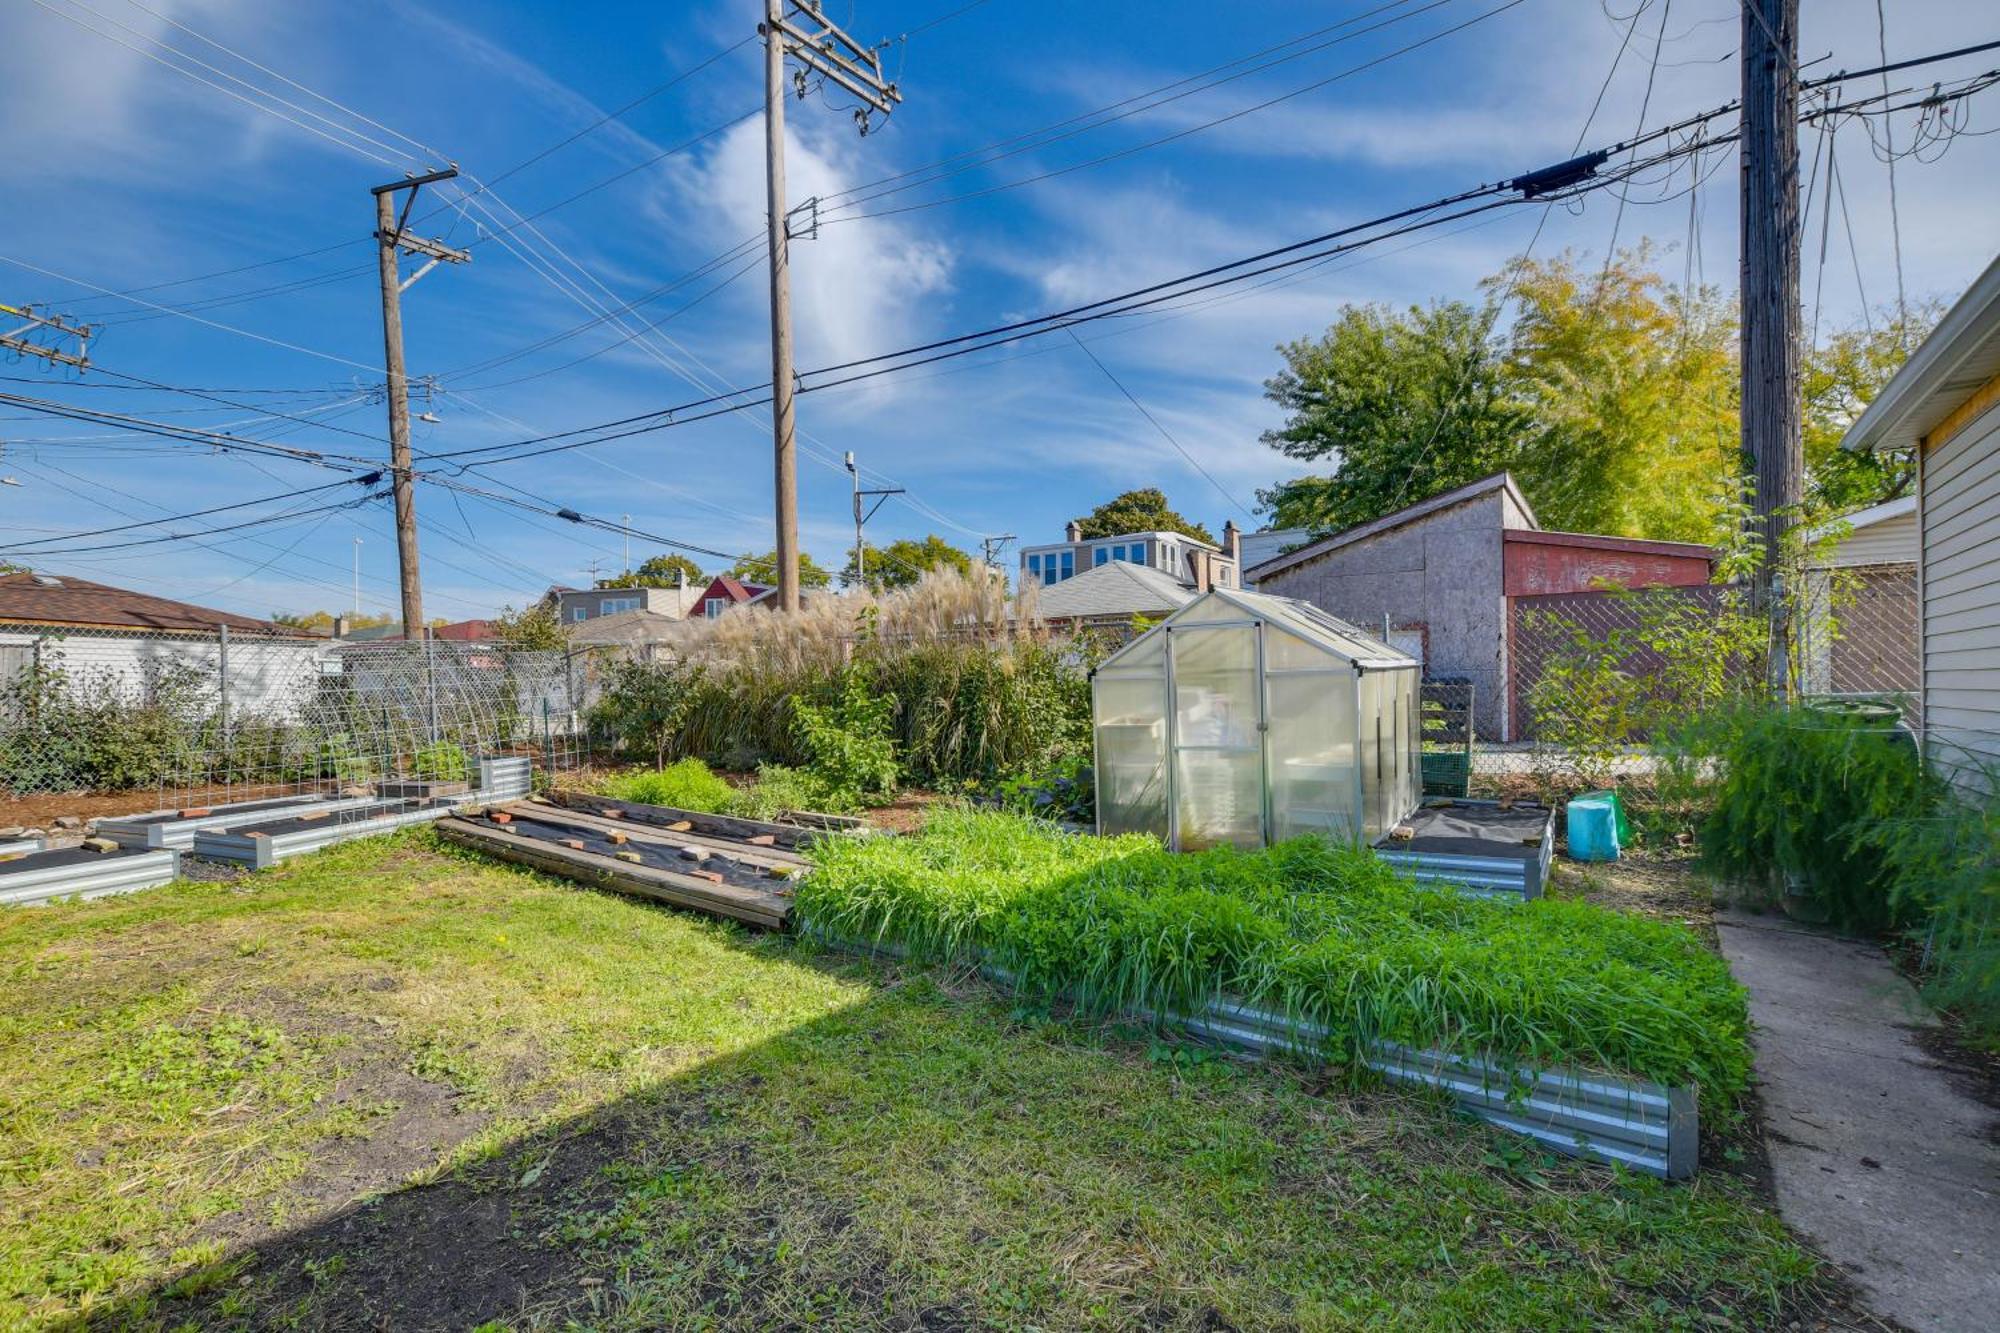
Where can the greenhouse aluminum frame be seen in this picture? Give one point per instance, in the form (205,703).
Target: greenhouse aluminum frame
(1330,702)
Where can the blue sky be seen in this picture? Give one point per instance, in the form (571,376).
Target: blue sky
(128,173)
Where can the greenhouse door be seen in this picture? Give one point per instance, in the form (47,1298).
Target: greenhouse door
(1216,742)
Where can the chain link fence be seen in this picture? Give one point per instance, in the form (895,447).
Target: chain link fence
(183,719)
(1580,687)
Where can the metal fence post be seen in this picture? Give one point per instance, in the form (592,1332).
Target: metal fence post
(430,680)
(222,674)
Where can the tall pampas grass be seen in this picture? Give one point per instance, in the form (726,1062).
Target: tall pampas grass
(981,684)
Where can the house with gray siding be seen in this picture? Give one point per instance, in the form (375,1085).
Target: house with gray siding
(1943,408)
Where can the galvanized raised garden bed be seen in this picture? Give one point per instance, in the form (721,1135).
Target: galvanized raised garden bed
(265,844)
(1631,1122)
(21,846)
(1479,848)
(79,872)
(177,828)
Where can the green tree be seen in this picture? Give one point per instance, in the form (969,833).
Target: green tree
(1144,510)
(902,562)
(322,621)
(763,570)
(662,571)
(1403,404)
(1628,384)
(531,627)
(1843,374)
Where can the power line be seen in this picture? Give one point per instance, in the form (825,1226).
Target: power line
(1165,434)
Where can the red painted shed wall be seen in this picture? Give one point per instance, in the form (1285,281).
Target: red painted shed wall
(1543,563)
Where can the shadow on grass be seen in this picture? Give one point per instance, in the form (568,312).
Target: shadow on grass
(673,1205)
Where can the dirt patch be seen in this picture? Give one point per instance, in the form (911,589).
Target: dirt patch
(905,814)
(41,810)
(1662,884)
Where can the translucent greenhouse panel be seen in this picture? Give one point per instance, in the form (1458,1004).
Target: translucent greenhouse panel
(1413,740)
(1219,798)
(1312,754)
(1145,653)
(1218,759)
(1206,608)
(1130,715)
(1377,743)
(1289,652)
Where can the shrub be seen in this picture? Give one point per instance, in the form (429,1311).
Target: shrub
(1320,933)
(779,789)
(850,740)
(1802,796)
(1946,874)
(1065,790)
(685,785)
(440,761)
(644,705)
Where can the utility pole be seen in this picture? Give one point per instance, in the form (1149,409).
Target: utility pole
(33,321)
(880,496)
(1773,454)
(797,28)
(391,240)
(990,548)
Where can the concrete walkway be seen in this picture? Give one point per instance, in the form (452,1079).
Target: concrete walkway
(1879,1156)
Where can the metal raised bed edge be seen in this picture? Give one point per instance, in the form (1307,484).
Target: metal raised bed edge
(21,846)
(104,873)
(1503,877)
(262,852)
(129,831)
(1630,1122)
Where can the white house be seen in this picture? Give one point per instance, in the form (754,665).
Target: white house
(1940,407)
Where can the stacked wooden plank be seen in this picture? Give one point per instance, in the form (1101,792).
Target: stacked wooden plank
(740,869)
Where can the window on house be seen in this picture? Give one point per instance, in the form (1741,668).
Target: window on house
(1098,555)
(1068,564)
(579,613)
(1035,568)
(714,607)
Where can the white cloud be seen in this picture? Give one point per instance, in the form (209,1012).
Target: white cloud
(857,285)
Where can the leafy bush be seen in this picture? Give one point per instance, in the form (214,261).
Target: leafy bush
(779,789)
(685,785)
(440,761)
(1064,790)
(1802,796)
(850,740)
(1320,933)
(645,704)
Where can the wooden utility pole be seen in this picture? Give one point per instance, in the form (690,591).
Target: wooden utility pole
(822,49)
(1773,455)
(391,240)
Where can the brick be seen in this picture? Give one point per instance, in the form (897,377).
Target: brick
(501,817)
(574,844)
(619,839)
(196,812)
(763,840)
(680,826)
(610,814)
(633,857)
(100,845)
(708,875)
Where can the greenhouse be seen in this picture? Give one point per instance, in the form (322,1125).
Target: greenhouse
(1248,719)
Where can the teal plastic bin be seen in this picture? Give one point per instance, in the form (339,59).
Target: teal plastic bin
(1619,823)
(1593,827)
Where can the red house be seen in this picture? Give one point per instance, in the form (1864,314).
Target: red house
(725,591)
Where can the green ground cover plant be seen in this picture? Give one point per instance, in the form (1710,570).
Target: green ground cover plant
(1323,934)
(396,1085)
(686,784)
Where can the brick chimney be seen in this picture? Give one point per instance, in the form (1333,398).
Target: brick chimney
(1073,531)
(340,627)
(1203,561)
(1232,543)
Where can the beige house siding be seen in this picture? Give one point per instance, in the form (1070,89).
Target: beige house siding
(1959,508)
(1893,541)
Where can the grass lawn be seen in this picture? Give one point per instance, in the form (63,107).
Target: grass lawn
(393,1085)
